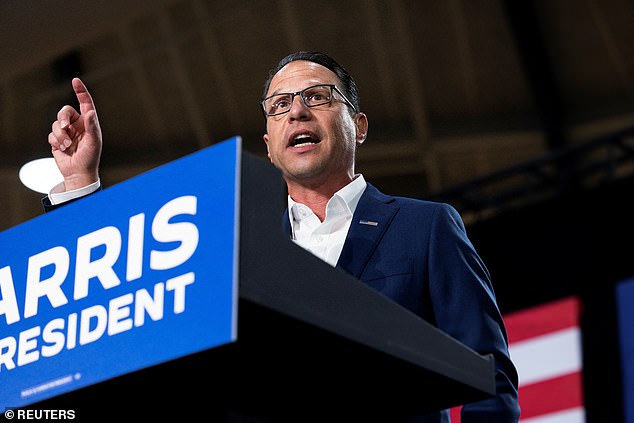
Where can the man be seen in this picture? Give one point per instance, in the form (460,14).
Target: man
(415,252)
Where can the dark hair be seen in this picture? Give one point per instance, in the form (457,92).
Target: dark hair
(349,87)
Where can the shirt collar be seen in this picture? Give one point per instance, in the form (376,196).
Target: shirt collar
(350,194)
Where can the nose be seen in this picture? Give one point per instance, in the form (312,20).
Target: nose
(299,110)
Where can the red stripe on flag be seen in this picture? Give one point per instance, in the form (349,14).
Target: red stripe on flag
(550,395)
(543,319)
(454,413)
(557,394)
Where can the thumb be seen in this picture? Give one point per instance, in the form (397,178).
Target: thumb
(91,123)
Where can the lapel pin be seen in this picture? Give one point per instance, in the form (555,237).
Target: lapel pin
(368,222)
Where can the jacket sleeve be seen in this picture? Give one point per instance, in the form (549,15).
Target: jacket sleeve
(464,306)
(48,206)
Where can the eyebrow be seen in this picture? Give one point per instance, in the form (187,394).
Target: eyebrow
(310,85)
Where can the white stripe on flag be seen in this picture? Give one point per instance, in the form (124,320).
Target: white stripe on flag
(547,356)
(572,415)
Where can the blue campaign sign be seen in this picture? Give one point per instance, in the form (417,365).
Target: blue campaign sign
(137,274)
(625,299)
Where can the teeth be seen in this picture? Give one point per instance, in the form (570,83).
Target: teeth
(303,140)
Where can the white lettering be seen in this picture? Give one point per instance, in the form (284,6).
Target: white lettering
(8,301)
(71,337)
(86,334)
(145,303)
(52,335)
(101,268)
(27,344)
(51,287)
(134,269)
(164,231)
(92,323)
(119,314)
(178,285)
(96,256)
(8,348)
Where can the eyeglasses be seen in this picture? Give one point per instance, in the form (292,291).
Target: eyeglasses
(316,95)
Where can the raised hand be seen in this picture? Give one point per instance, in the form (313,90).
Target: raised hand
(76,140)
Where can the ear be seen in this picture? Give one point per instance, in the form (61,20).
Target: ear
(361,127)
(265,137)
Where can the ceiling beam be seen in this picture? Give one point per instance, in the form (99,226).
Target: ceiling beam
(415,95)
(141,83)
(68,25)
(385,76)
(465,55)
(183,81)
(219,68)
(526,28)
(611,45)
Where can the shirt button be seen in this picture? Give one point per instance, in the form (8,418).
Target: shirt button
(319,238)
(302,212)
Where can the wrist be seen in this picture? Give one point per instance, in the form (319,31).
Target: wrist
(77,181)
(59,194)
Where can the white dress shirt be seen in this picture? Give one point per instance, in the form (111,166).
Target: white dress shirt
(325,239)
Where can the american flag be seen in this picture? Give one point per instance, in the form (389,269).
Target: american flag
(545,345)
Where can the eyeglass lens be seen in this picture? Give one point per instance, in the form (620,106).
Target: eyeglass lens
(311,96)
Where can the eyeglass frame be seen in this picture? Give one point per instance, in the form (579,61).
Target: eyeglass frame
(299,93)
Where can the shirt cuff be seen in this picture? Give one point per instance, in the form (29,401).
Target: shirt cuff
(57,195)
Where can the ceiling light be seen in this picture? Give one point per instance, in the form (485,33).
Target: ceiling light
(41,175)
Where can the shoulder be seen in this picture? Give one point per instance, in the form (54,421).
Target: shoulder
(372,193)
(414,211)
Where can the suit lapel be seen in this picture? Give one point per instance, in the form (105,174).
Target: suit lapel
(373,215)
(286,224)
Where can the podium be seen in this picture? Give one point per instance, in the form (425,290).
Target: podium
(313,344)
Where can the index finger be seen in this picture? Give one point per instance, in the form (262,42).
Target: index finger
(83,96)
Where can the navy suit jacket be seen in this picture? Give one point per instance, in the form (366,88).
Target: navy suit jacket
(418,254)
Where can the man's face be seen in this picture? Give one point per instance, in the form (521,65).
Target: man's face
(313,145)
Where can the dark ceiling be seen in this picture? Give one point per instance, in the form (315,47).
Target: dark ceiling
(454,89)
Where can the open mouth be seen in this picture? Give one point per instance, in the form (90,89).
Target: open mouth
(303,139)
